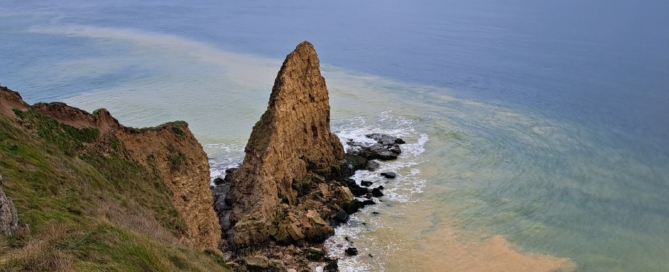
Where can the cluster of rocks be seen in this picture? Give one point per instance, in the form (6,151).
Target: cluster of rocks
(386,147)
(293,187)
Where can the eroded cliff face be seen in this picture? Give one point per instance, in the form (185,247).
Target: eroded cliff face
(281,190)
(176,156)
(169,151)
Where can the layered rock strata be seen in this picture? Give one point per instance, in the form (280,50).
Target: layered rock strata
(290,155)
(169,151)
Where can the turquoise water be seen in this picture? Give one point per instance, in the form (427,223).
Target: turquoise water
(546,123)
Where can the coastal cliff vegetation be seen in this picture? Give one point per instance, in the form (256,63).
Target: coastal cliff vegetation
(85,204)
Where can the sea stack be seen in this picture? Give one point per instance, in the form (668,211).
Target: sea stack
(283,188)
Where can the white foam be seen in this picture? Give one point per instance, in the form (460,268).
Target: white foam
(402,189)
(227,156)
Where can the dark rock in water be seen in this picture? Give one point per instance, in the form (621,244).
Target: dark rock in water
(390,175)
(382,152)
(368,202)
(366,183)
(395,149)
(332,267)
(375,213)
(373,151)
(341,216)
(218,181)
(351,251)
(356,190)
(380,187)
(353,206)
(231,170)
(372,165)
(376,192)
(385,139)
(370,255)
(356,162)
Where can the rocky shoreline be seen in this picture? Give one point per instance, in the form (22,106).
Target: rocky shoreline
(303,254)
(293,187)
(272,213)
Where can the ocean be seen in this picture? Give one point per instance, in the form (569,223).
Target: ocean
(537,131)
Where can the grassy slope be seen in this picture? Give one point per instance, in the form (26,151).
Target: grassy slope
(83,206)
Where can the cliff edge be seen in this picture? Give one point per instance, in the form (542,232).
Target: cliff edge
(140,194)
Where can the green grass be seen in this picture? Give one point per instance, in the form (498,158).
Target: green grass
(84,206)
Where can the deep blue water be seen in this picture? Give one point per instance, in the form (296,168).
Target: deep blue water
(604,63)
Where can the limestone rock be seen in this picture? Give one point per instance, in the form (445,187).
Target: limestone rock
(291,139)
(8,219)
(256,262)
(187,177)
(344,194)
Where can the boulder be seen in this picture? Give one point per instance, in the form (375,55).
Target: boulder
(386,148)
(340,217)
(256,263)
(390,175)
(332,266)
(9,223)
(351,251)
(218,181)
(355,189)
(372,165)
(376,192)
(368,202)
(385,139)
(343,194)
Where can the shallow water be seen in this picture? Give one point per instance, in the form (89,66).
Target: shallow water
(537,132)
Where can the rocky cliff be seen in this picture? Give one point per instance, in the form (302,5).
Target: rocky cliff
(169,151)
(290,143)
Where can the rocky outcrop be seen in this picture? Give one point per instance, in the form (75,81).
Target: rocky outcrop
(10,100)
(169,151)
(290,155)
(386,148)
(176,156)
(9,221)
(292,188)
